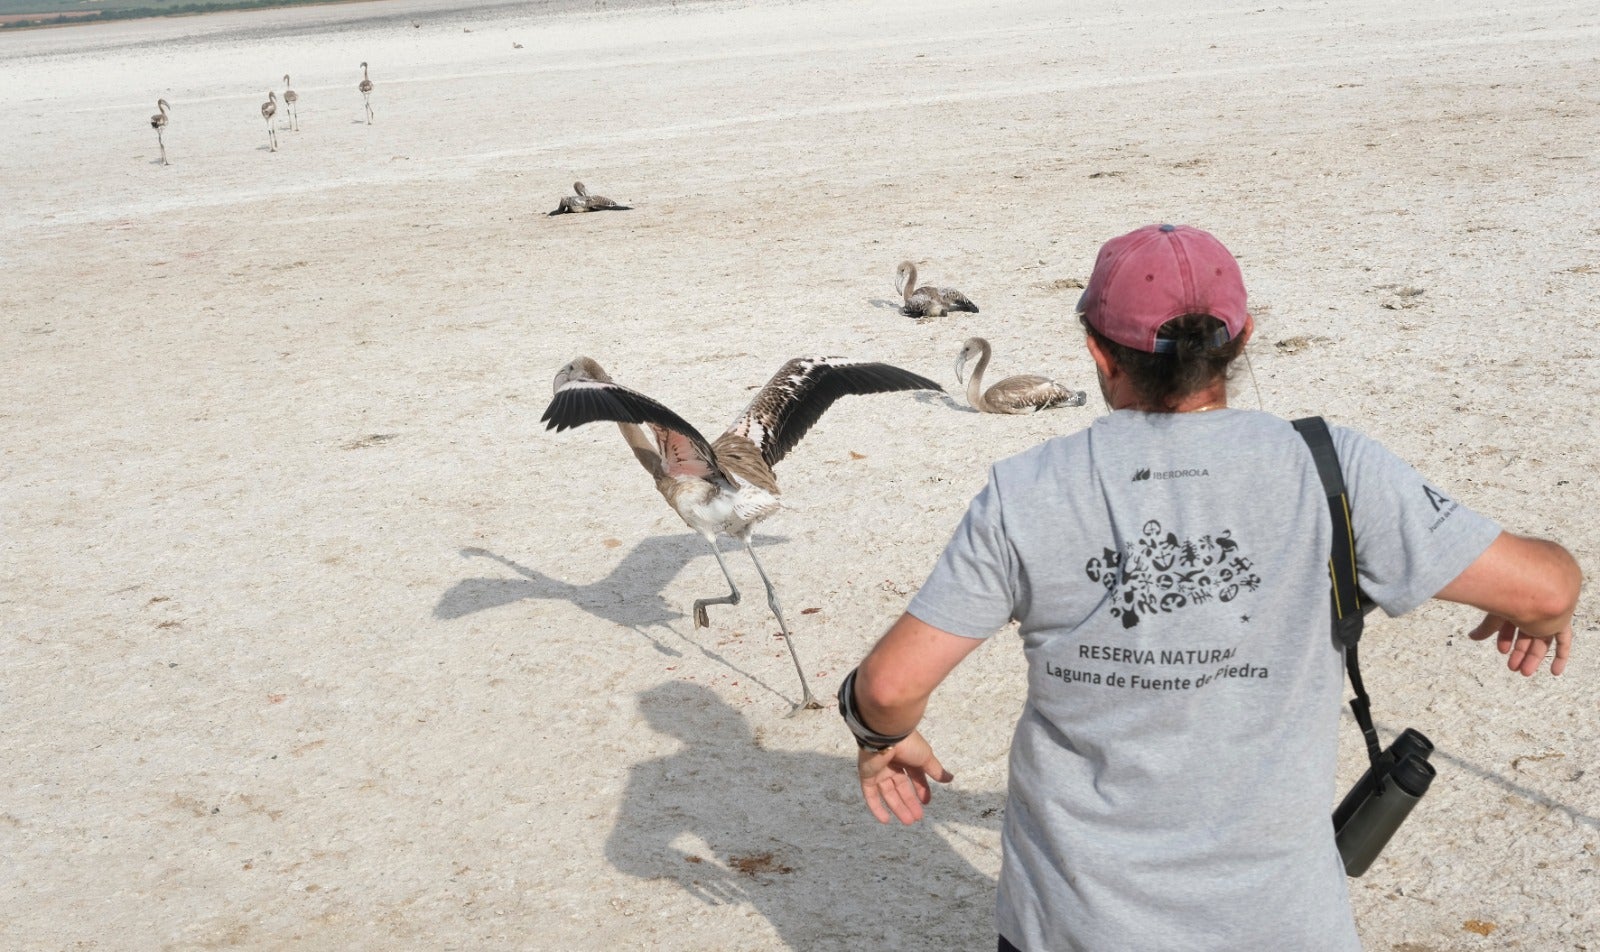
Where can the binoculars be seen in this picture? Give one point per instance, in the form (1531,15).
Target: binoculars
(1376,806)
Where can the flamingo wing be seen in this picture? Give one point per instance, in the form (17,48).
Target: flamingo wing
(803,389)
(1026,393)
(684,452)
(955,300)
(924,302)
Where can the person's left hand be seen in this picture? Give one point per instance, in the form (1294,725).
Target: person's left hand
(1525,652)
(896,780)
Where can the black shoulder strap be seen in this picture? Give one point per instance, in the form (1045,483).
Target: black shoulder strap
(1349,602)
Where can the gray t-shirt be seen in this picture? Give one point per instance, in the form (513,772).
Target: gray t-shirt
(1172,773)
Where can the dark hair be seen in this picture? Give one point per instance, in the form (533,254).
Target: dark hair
(1195,363)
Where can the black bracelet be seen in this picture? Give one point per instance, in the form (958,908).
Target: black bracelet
(866,737)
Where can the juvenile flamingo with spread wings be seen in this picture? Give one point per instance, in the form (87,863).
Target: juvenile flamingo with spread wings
(727,484)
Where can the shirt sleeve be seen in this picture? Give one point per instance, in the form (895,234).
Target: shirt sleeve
(971,590)
(1411,539)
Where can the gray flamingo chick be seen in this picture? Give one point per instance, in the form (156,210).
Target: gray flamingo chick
(584,202)
(928,301)
(1024,393)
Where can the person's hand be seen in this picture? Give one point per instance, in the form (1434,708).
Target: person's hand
(895,781)
(1526,652)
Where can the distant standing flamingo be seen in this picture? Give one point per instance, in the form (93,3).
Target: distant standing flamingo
(158,122)
(268,110)
(366,92)
(1024,393)
(928,301)
(290,97)
(727,484)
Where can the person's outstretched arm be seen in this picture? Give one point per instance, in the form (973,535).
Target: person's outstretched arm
(1528,589)
(892,688)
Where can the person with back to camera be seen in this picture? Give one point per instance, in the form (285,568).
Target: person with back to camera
(1173,767)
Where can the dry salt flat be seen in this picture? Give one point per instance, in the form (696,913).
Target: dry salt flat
(313,638)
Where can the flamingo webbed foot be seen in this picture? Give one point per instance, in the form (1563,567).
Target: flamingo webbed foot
(807,703)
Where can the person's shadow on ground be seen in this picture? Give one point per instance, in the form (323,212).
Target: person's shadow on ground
(787,833)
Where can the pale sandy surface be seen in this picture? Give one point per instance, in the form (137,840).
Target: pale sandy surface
(314,638)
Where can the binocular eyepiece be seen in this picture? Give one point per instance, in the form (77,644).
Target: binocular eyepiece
(1376,806)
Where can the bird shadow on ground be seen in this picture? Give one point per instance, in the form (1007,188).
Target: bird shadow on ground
(944,399)
(885,304)
(786,833)
(628,596)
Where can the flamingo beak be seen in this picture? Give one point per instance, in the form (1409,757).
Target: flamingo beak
(961,365)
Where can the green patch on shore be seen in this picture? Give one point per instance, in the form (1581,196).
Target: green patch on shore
(15,14)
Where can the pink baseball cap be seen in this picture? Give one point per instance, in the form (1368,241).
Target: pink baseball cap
(1156,273)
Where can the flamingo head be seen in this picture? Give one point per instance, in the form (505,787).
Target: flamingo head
(581,189)
(972,348)
(579,369)
(904,277)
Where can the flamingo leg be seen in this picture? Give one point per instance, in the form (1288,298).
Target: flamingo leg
(809,701)
(732,598)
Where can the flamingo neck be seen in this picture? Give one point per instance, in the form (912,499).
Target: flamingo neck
(975,395)
(911,283)
(644,450)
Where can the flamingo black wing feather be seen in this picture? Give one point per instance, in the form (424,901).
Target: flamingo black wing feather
(588,401)
(804,388)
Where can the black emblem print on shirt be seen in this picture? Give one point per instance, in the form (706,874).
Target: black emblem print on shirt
(1158,572)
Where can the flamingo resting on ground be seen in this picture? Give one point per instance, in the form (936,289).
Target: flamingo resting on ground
(584,202)
(1024,393)
(158,122)
(724,485)
(928,301)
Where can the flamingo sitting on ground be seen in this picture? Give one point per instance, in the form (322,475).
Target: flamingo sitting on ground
(1024,393)
(928,301)
(584,202)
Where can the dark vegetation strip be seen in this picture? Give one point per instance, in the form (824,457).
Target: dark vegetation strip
(78,17)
